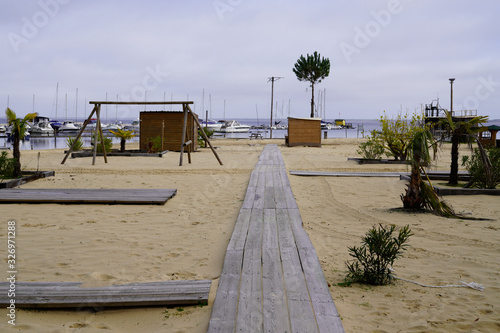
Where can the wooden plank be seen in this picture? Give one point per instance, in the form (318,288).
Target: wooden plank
(67,295)
(239,236)
(345,174)
(275,309)
(224,311)
(466,191)
(301,313)
(87,196)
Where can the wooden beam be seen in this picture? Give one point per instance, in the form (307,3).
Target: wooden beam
(139,103)
(80,134)
(204,135)
(183,139)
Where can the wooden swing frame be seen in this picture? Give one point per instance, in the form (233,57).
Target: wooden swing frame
(184,140)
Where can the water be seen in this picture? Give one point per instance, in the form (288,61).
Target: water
(60,142)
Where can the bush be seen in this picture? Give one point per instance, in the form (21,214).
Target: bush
(475,166)
(396,134)
(108,143)
(201,140)
(6,166)
(379,251)
(373,148)
(154,145)
(78,146)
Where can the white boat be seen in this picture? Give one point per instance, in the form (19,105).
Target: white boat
(330,126)
(3,128)
(232,126)
(112,127)
(135,126)
(68,126)
(8,132)
(211,124)
(41,127)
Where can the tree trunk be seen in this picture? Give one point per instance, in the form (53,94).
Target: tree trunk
(413,197)
(455,141)
(16,154)
(312,100)
(122,145)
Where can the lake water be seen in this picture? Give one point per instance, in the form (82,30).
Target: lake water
(60,142)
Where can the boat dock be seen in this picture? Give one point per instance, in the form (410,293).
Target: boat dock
(272,280)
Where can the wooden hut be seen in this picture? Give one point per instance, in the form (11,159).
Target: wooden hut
(488,137)
(304,132)
(167,125)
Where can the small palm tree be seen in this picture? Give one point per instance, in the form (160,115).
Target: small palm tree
(460,131)
(420,194)
(124,135)
(313,69)
(18,130)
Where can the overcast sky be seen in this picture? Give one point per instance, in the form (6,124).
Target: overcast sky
(385,55)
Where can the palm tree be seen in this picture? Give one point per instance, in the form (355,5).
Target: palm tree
(124,136)
(420,194)
(460,131)
(18,130)
(313,69)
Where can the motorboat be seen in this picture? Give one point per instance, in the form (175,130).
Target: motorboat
(68,127)
(211,124)
(329,126)
(8,132)
(55,124)
(135,126)
(41,127)
(232,126)
(111,127)
(3,128)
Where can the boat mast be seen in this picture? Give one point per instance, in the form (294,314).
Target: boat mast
(57,96)
(76,106)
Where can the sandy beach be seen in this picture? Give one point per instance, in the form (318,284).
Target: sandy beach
(186,239)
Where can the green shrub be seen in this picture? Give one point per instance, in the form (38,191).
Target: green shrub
(373,148)
(377,253)
(154,145)
(78,146)
(108,143)
(201,140)
(475,166)
(6,166)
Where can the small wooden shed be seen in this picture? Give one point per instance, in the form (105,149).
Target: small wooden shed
(488,136)
(304,132)
(168,125)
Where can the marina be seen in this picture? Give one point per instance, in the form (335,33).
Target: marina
(252,128)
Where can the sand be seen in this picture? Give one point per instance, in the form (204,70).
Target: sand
(186,239)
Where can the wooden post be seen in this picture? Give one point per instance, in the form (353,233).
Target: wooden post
(79,134)
(96,135)
(204,135)
(102,138)
(184,125)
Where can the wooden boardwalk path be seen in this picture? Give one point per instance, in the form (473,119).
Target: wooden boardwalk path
(87,196)
(272,280)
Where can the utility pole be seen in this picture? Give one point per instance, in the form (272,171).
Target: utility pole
(451,96)
(272,79)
